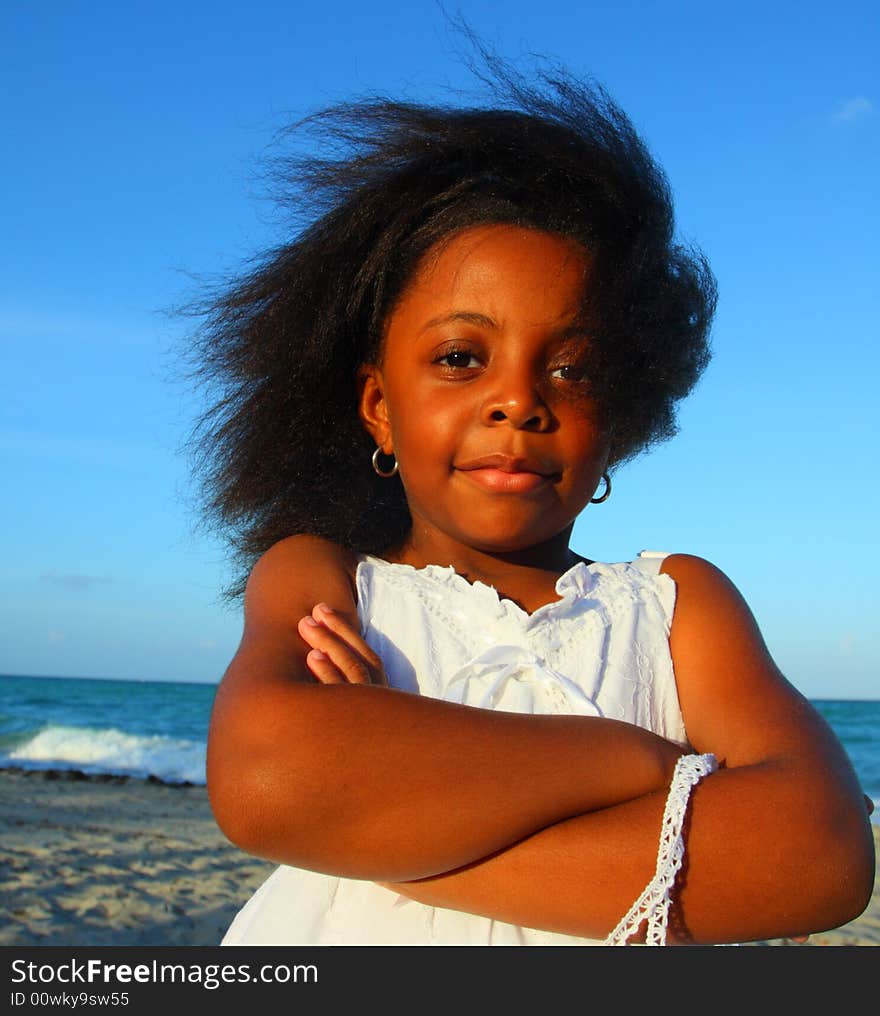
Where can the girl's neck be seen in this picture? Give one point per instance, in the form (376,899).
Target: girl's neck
(527,576)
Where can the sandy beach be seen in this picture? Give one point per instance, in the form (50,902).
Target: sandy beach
(113,861)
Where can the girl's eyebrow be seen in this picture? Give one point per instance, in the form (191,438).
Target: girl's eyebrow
(469,317)
(576,330)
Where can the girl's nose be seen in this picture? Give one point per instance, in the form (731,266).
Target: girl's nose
(519,405)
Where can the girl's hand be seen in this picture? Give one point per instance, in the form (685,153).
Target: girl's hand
(338,655)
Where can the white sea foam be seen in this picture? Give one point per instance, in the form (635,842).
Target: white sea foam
(112,751)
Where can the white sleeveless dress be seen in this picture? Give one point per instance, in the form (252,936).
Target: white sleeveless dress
(602,649)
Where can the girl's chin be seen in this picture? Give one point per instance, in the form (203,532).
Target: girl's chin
(512,544)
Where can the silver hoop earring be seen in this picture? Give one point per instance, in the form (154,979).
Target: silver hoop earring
(385,474)
(607,492)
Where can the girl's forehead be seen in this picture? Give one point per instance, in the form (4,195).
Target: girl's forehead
(507,262)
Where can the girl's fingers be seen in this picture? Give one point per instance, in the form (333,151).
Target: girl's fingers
(342,663)
(323,669)
(339,626)
(362,653)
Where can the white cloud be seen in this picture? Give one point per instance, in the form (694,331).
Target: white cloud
(857,108)
(73,581)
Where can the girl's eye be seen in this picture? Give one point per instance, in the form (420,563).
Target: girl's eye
(570,372)
(458,358)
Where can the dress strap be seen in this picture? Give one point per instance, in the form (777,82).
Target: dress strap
(649,561)
(653,904)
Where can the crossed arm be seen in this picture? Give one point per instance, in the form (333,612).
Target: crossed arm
(313,762)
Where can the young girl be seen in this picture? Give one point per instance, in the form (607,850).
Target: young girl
(445,725)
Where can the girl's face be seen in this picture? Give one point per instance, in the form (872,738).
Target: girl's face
(480,393)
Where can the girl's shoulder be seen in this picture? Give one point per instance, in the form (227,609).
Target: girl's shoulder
(304,549)
(298,572)
(706,599)
(690,571)
(703,590)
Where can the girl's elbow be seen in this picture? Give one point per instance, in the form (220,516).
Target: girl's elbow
(236,811)
(248,811)
(858,879)
(846,864)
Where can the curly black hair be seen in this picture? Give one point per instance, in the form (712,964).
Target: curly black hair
(282,449)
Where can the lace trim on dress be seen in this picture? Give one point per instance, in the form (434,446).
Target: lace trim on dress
(616,586)
(653,903)
(433,579)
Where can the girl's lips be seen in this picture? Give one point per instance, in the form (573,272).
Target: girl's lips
(507,474)
(504,481)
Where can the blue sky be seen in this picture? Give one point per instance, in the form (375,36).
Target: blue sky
(130,158)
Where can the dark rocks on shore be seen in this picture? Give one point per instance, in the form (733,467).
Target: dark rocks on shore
(75,775)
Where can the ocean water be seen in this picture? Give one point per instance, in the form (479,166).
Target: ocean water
(160,729)
(132,728)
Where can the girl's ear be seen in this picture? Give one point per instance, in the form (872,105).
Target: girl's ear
(373,408)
